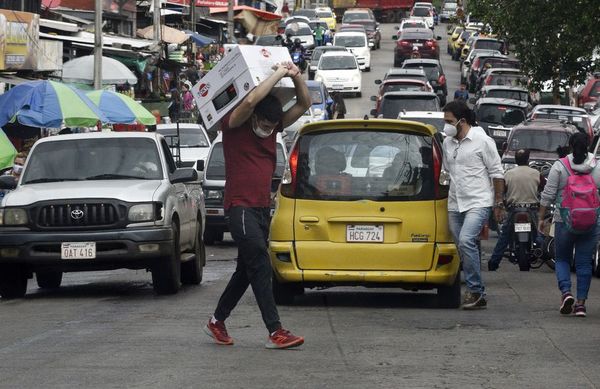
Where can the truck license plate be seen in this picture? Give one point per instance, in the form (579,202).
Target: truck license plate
(499,133)
(78,250)
(522,227)
(364,233)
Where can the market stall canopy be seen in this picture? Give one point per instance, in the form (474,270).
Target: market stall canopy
(48,104)
(238,8)
(168,34)
(199,39)
(81,70)
(122,109)
(7,151)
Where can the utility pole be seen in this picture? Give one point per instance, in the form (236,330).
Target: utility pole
(156,20)
(98,46)
(193,14)
(230,20)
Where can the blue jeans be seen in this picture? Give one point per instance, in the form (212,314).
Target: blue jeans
(585,246)
(466,227)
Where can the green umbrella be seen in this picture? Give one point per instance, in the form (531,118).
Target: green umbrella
(119,108)
(7,152)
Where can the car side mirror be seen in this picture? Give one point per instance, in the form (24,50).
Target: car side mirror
(373,98)
(466,62)
(374,113)
(377,82)
(589,107)
(438,38)
(200,165)
(8,182)
(183,175)
(395,37)
(454,38)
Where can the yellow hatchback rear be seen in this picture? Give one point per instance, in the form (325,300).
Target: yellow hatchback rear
(360,204)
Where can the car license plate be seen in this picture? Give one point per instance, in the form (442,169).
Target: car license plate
(418,44)
(364,233)
(78,250)
(337,86)
(499,133)
(522,227)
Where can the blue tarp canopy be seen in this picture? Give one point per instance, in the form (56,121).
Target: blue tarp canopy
(199,39)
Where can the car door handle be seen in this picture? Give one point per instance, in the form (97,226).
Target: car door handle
(309,219)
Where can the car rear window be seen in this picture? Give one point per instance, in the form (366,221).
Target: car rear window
(420,11)
(392,105)
(500,114)
(269,40)
(215,168)
(413,24)
(577,120)
(367,24)
(488,44)
(350,41)
(411,76)
(350,16)
(538,140)
(507,94)
(431,70)
(298,30)
(324,14)
(310,13)
(402,87)
(505,79)
(412,35)
(365,165)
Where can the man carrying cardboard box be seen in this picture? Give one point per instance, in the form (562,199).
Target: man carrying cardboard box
(249,146)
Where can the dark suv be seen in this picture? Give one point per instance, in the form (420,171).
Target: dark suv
(499,116)
(435,75)
(415,40)
(372,29)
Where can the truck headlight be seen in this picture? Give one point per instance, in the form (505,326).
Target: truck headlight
(142,213)
(211,194)
(13,217)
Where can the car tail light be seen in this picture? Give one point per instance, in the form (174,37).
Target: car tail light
(442,80)
(430,43)
(522,217)
(288,182)
(404,43)
(488,80)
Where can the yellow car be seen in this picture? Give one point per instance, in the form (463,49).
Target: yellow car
(461,41)
(325,14)
(360,205)
(453,35)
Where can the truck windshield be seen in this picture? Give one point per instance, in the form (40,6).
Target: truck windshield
(94,159)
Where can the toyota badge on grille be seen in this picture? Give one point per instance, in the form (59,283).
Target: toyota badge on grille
(77,214)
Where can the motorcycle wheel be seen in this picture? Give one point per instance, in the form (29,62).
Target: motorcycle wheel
(549,252)
(523,258)
(596,262)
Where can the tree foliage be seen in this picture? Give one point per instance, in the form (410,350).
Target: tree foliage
(554,39)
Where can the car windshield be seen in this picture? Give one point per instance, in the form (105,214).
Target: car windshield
(334,62)
(367,24)
(269,40)
(365,165)
(508,94)
(349,41)
(94,159)
(316,55)
(402,87)
(350,16)
(324,14)
(315,94)
(309,13)
(188,137)
(392,105)
(414,35)
(420,11)
(538,140)
(487,44)
(215,167)
(500,114)
(413,24)
(432,71)
(450,6)
(507,79)
(298,30)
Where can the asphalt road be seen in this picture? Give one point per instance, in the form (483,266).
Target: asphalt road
(109,330)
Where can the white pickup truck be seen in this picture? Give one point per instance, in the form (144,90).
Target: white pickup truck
(101,201)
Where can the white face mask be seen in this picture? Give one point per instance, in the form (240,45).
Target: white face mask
(261,133)
(451,129)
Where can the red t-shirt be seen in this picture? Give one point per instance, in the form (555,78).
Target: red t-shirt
(249,165)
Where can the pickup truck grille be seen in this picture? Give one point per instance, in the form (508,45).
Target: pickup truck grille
(78,215)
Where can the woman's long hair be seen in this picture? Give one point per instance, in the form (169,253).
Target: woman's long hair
(579,143)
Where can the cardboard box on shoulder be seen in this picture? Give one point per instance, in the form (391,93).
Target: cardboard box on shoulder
(241,70)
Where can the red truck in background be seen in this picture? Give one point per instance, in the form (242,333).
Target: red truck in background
(387,11)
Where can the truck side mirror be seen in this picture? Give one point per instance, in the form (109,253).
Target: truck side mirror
(183,175)
(200,165)
(8,182)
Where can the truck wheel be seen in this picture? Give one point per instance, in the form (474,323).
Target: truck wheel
(166,272)
(449,296)
(192,270)
(48,279)
(285,293)
(13,281)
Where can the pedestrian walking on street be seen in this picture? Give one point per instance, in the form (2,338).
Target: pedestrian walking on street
(462,93)
(319,32)
(569,242)
(472,162)
(338,108)
(249,146)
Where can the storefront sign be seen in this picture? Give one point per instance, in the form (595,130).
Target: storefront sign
(19,40)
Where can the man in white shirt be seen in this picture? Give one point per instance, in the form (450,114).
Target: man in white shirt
(476,185)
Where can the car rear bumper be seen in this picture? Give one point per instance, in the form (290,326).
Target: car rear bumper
(286,270)
(118,246)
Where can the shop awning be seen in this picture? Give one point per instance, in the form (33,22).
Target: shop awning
(238,8)
(168,34)
(199,39)
(108,40)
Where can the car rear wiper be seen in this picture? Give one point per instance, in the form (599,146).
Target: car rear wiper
(40,180)
(110,176)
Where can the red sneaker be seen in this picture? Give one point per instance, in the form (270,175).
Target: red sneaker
(282,338)
(218,332)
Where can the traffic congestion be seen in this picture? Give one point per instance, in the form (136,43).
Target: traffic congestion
(392,192)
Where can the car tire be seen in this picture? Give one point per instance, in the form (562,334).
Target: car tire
(166,271)
(449,296)
(358,94)
(13,281)
(212,235)
(368,69)
(311,76)
(192,270)
(48,279)
(285,293)
(379,44)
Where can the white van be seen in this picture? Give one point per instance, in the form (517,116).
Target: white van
(358,44)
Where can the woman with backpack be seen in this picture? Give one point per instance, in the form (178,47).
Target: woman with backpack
(572,185)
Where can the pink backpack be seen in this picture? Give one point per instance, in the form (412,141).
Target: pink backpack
(579,202)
